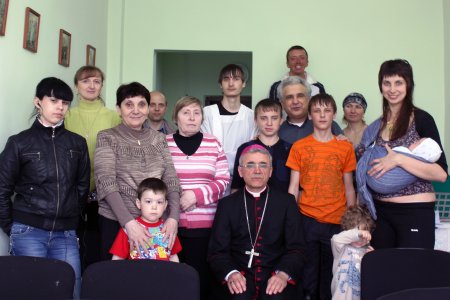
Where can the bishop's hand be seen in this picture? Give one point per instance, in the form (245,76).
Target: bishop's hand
(277,283)
(237,284)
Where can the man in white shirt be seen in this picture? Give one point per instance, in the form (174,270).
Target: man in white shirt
(230,121)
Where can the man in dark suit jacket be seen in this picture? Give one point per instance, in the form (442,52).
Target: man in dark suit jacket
(257,245)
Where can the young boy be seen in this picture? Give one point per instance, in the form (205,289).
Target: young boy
(349,247)
(152,203)
(268,118)
(322,166)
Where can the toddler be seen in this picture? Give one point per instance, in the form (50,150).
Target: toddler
(152,202)
(349,246)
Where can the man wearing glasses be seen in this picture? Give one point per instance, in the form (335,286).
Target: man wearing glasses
(257,246)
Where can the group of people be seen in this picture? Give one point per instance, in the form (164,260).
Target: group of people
(261,203)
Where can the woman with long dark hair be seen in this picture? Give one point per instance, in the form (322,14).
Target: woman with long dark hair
(405,218)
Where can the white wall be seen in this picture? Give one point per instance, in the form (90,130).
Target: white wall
(21,70)
(347,41)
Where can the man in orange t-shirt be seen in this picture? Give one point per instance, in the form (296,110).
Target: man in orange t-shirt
(322,166)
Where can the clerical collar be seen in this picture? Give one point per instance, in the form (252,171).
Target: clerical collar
(257,194)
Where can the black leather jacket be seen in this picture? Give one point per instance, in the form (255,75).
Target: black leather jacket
(48,170)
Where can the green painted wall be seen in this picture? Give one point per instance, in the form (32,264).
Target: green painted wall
(346,40)
(21,70)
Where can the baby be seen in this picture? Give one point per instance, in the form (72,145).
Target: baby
(426,148)
(348,248)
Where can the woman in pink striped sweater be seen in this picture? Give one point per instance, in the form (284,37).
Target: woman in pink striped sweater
(202,168)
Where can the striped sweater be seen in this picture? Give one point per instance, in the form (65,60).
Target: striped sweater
(206,174)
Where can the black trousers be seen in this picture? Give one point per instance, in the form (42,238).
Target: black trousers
(404,225)
(89,234)
(318,271)
(290,292)
(194,253)
(108,232)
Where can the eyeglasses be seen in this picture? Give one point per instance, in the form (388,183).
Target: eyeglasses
(253,165)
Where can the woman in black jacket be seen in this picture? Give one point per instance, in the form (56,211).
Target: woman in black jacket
(47,168)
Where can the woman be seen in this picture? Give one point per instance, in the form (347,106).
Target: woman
(87,119)
(126,155)
(47,168)
(405,218)
(91,115)
(202,168)
(354,106)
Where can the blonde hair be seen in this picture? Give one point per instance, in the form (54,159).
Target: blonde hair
(355,216)
(183,102)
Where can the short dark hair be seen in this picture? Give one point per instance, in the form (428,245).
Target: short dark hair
(296,47)
(155,185)
(268,105)
(132,89)
(234,70)
(356,215)
(322,99)
(54,87)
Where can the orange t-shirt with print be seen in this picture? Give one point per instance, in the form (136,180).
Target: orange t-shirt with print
(322,166)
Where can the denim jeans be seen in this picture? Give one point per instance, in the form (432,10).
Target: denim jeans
(62,245)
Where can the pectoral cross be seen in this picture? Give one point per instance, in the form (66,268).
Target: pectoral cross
(251,253)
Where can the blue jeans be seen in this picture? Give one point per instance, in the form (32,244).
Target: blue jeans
(62,245)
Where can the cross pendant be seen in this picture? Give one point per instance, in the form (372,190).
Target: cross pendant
(251,253)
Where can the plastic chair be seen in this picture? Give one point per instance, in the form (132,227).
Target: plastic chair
(24,277)
(387,271)
(440,293)
(138,279)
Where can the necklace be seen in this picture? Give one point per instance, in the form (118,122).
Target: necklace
(252,252)
(390,126)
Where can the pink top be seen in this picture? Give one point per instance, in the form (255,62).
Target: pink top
(206,174)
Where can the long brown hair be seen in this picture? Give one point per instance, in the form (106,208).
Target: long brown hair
(402,68)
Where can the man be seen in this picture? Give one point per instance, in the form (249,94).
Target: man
(157,110)
(230,121)
(297,61)
(268,118)
(256,247)
(294,93)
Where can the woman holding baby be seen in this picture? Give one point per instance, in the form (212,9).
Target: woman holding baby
(405,217)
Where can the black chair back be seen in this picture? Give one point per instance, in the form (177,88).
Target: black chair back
(387,271)
(140,279)
(440,293)
(24,277)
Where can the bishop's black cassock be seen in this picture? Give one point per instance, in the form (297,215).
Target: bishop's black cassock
(280,243)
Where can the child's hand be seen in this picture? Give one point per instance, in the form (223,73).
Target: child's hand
(364,234)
